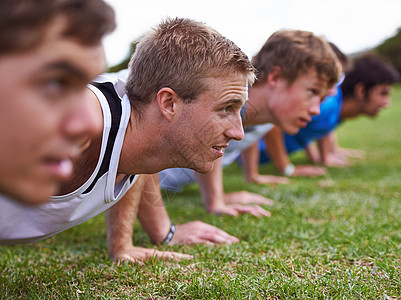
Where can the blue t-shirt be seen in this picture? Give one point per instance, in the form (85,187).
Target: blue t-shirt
(320,126)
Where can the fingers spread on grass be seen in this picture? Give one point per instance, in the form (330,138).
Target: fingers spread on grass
(226,210)
(198,232)
(351,153)
(337,160)
(139,255)
(271,179)
(244,197)
(254,210)
(309,171)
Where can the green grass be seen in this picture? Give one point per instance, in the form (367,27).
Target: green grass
(336,236)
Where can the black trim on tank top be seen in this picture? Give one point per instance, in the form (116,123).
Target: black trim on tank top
(115,105)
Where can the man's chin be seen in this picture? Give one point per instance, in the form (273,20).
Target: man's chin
(35,195)
(205,168)
(291,130)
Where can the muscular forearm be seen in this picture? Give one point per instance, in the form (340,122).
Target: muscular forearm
(275,148)
(211,186)
(313,153)
(120,218)
(152,213)
(250,162)
(325,146)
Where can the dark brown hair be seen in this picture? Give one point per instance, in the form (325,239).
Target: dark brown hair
(370,70)
(24,22)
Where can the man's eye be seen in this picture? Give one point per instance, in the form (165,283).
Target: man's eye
(53,87)
(314,92)
(53,84)
(227,109)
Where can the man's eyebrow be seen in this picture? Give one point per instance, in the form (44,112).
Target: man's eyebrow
(69,68)
(235,101)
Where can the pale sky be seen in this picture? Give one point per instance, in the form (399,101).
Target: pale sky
(353,25)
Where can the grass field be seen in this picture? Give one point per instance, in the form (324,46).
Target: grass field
(336,236)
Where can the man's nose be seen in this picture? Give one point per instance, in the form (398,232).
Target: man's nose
(315,107)
(236,131)
(84,118)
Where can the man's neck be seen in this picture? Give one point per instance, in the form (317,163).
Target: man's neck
(256,109)
(141,152)
(350,108)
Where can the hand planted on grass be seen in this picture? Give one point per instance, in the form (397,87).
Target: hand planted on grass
(351,153)
(268,179)
(238,209)
(309,171)
(335,160)
(197,232)
(139,255)
(244,197)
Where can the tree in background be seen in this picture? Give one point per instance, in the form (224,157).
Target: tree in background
(124,64)
(391,50)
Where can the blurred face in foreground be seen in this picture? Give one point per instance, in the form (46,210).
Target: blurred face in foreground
(294,105)
(45,113)
(210,122)
(377,98)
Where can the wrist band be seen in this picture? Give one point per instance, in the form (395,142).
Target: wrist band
(289,170)
(170,234)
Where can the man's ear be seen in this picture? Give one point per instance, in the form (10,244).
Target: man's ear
(359,92)
(274,75)
(168,102)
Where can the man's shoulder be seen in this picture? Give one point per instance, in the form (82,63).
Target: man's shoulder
(116,81)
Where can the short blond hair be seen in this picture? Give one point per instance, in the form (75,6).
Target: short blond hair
(296,52)
(179,54)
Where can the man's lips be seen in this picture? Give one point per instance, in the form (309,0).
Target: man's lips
(219,149)
(58,167)
(304,121)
